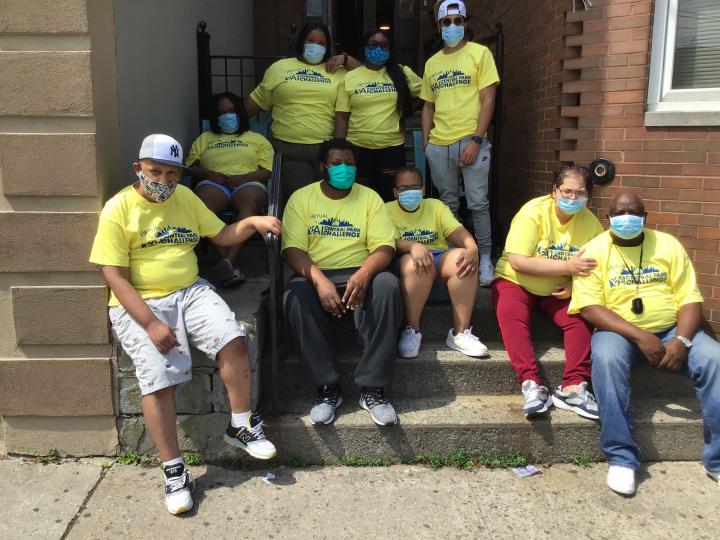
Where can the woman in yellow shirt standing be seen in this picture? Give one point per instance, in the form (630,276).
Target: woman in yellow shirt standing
(542,252)
(233,165)
(301,91)
(372,105)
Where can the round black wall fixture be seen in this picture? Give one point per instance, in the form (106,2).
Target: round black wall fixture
(602,171)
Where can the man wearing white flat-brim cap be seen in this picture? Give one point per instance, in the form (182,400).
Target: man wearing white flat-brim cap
(459,92)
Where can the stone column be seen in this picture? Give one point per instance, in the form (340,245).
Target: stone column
(56,388)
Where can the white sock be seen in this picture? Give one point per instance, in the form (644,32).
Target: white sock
(240,419)
(177,461)
(485,259)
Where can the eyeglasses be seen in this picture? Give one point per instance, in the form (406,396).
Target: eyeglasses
(447,21)
(403,189)
(578,194)
(384,45)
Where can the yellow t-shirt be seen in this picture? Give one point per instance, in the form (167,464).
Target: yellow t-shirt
(535,231)
(231,154)
(302,98)
(431,224)
(336,233)
(453,83)
(371,99)
(667,280)
(154,240)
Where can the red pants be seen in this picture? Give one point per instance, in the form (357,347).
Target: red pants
(514,306)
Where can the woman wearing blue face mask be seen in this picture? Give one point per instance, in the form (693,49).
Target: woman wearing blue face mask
(542,251)
(231,166)
(429,270)
(301,92)
(373,103)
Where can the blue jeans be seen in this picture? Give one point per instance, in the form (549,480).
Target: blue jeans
(613,357)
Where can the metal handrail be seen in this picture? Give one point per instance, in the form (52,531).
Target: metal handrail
(276,279)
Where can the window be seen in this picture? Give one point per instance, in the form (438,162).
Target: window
(684,84)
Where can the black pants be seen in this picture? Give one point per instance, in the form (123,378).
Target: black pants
(373,166)
(377,322)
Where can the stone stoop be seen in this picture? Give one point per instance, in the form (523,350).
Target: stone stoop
(202,402)
(447,401)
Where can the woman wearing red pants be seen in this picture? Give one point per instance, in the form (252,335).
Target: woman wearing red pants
(542,252)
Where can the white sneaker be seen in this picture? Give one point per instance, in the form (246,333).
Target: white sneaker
(621,480)
(466,343)
(409,344)
(486,274)
(178,496)
(251,438)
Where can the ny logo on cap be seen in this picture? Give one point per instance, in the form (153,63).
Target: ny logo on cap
(174,151)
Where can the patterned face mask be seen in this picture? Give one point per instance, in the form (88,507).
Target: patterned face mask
(155,190)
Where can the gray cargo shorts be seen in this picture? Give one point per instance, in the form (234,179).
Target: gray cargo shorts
(199,318)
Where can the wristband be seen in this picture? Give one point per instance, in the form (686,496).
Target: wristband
(477,139)
(685,341)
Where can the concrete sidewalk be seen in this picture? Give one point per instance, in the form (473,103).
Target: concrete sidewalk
(82,500)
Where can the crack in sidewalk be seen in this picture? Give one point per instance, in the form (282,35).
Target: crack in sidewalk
(83,506)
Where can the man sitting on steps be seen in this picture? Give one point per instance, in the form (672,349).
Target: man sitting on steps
(339,240)
(644,303)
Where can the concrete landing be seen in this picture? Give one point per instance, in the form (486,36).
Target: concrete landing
(675,500)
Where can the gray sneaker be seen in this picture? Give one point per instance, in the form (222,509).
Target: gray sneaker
(581,402)
(537,399)
(373,400)
(323,411)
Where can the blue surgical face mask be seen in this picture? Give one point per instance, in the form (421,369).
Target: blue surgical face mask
(341,176)
(571,206)
(410,200)
(228,122)
(627,226)
(313,53)
(376,56)
(452,35)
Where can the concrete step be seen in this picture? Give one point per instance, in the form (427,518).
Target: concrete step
(664,429)
(439,371)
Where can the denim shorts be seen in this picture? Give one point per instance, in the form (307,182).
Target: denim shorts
(439,292)
(230,192)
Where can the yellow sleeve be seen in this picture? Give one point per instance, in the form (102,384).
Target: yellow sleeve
(208,223)
(415,83)
(194,154)
(426,92)
(447,220)
(682,277)
(343,99)
(487,72)
(111,247)
(263,93)
(265,153)
(380,228)
(295,224)
(588,290)
(522,239)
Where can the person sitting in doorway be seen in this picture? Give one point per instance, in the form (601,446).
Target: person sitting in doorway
(339,240)
(374,101)
(542,251)
(429,270)
(643,300)
(159,306)
(232,165)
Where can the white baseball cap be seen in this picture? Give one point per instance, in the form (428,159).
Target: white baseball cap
(163,149)
(444,10)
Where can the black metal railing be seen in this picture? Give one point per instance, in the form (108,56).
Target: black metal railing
(275,268)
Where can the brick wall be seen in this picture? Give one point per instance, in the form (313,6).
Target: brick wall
(575,89)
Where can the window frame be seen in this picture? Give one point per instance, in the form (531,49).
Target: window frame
(665,106)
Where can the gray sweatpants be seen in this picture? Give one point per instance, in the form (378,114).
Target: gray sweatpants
(377,322)
(445,167)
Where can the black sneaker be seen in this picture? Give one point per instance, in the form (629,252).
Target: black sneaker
(328,401)
(251,438)
(178,489)
(373,400)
